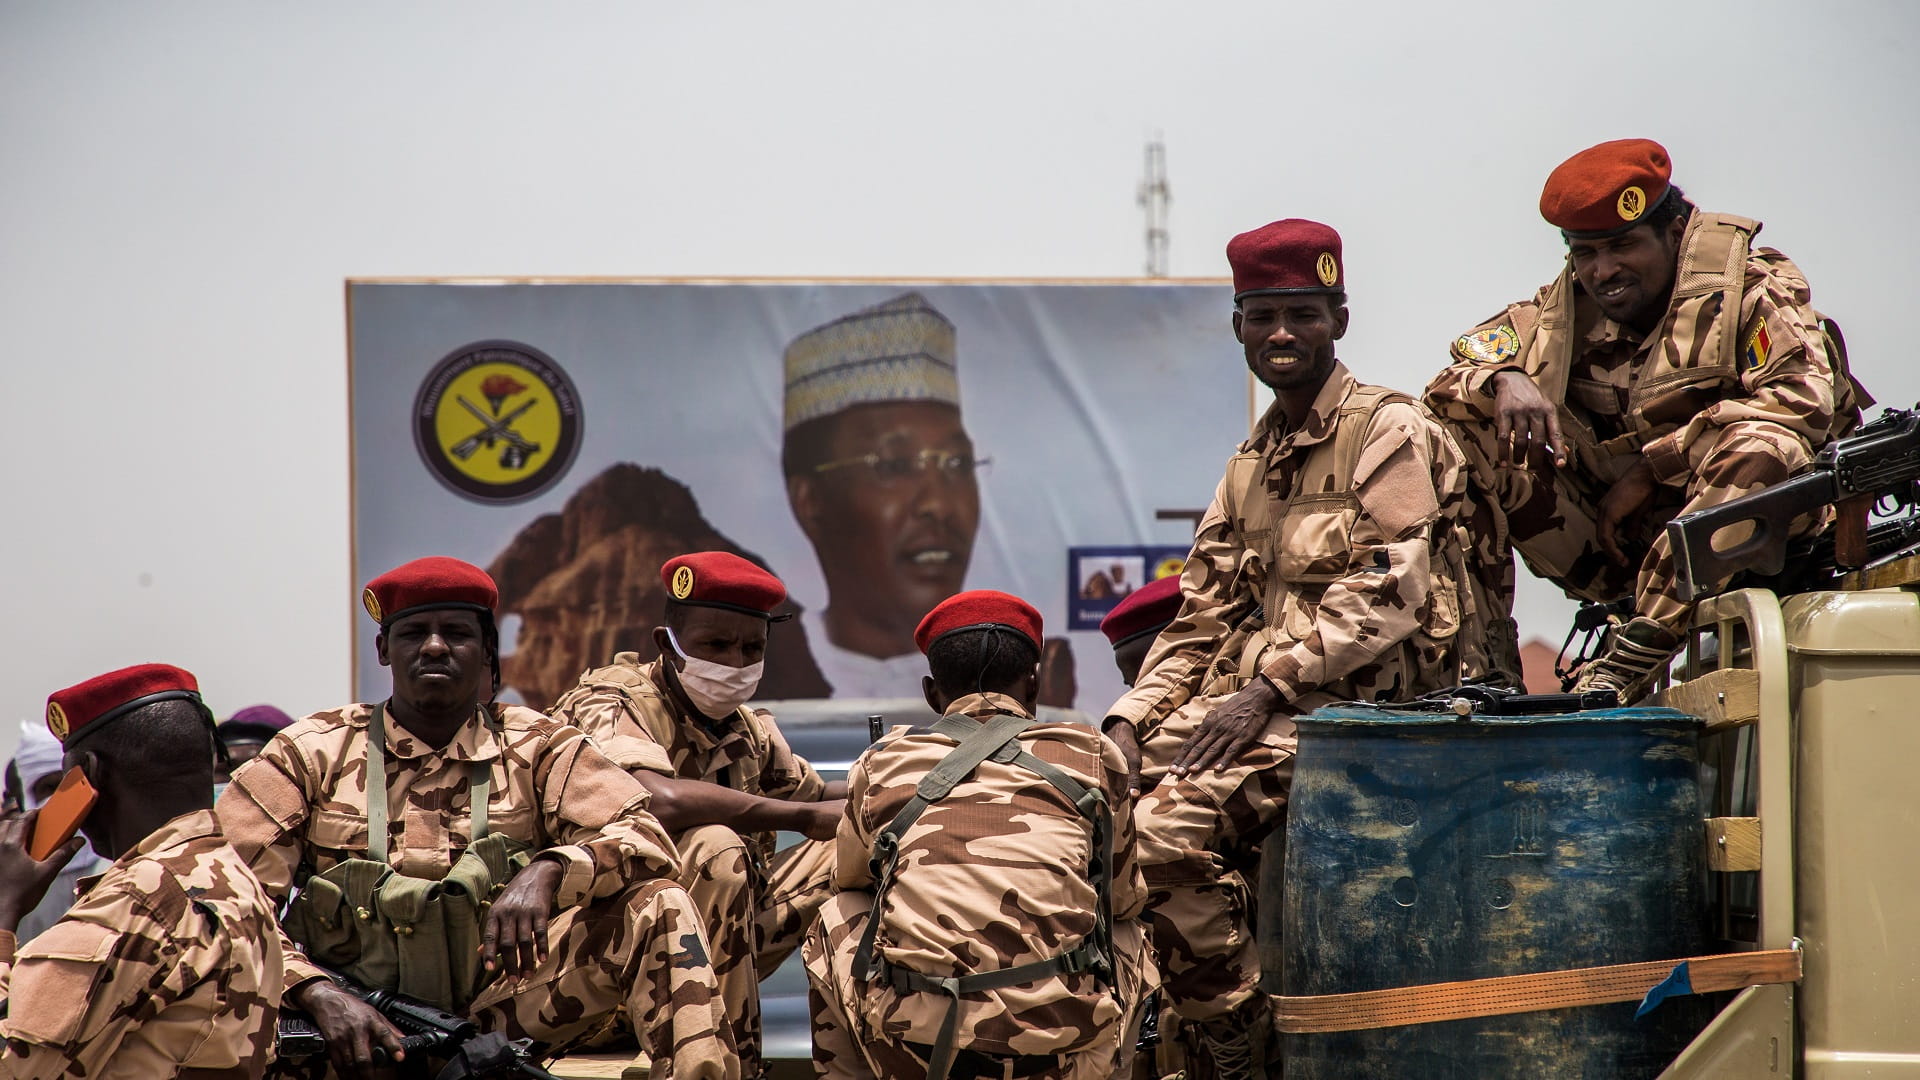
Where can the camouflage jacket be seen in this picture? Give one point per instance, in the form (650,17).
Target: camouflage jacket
(168,960)
(636,722)
(301,804)
(1335,581)
(1664,394)
(992,876)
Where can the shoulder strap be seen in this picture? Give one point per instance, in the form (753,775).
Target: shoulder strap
(479,786)
(1349,438)
(998,739)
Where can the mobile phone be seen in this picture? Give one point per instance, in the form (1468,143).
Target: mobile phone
(62,813)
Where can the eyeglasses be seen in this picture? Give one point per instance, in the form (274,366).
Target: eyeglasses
(894,469)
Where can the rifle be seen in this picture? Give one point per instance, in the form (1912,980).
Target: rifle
(425,1030)
(1879,464)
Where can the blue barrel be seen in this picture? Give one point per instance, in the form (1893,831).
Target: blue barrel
(1426,848)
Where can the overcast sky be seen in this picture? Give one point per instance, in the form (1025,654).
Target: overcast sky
(186,186)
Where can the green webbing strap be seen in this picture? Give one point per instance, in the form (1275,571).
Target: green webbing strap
(377,784)
(479,785)
(951,987)
(996,739)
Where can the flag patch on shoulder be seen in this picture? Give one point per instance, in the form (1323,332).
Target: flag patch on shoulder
(1758,346)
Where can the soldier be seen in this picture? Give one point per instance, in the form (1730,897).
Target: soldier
(1671,366)
(168,964)
(1326,569)
(1134,622)
(471,800)
(722,776)
(984,924)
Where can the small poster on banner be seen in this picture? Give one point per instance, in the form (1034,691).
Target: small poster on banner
(1098,578)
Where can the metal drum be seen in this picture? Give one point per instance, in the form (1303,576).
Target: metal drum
(1426,848)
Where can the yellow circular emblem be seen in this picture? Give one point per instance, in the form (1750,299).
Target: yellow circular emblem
(57,720)
(1633,203)
(497,421)
(372,605)
(682,582)
(1169,568)
(1327,267)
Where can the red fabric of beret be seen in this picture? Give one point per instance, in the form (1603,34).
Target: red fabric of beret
(1146,610)
(1607,189)
(724,580)
(425,584)
(978,608)
(1290,256)
(89,706)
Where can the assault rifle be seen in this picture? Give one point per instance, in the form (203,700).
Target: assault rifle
(425,1031)
(1877,467)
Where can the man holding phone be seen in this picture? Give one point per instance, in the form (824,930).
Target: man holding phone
(169,962)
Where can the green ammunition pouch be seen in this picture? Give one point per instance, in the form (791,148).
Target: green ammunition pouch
(388,931)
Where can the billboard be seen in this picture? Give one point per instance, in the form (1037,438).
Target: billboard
(877,445)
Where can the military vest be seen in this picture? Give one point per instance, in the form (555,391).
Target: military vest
(389,931)
(1708,290)
(1293,546)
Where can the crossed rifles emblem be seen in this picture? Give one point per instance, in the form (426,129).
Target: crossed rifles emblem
(496,428)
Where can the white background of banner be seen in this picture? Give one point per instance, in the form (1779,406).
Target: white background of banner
(1099,404)
(188,184)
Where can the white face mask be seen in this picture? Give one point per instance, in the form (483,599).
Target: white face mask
(715,689)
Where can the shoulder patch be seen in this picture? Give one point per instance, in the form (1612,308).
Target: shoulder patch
(1759,345)
(1494,345)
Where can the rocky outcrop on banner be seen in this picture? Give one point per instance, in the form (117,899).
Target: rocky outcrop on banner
(586,584)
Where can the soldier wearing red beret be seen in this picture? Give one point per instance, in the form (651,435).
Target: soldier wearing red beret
(1135,621)
(371,806)
(168,963)
(723,778)
(1326,569)
(1019,879)
(1671,366)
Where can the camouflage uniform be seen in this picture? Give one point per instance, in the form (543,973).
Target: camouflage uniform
(1718,402)
(992,877)
(754,903)
(624,932)
(168,964)
(1329,563)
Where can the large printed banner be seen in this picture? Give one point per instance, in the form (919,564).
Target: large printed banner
(878,446)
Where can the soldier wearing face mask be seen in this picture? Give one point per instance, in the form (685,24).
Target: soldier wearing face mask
(722,776)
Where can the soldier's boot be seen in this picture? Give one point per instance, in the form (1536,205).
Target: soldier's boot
(1230,1047)
(1636,651)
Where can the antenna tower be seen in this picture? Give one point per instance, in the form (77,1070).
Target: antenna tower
(1154,198)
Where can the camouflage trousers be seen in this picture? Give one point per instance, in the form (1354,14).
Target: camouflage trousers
(1196,834)
(1552,516)
(751,925)
(846,1048)
(640,949)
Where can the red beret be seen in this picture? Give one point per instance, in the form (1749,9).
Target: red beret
(1606,189)
(723,580)
(974,610)
(1145,611)
(92,705)
(1291,256)
(426,584)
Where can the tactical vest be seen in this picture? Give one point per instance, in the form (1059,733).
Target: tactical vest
(652,711)
(1292,549)
(388,931)
(997,738)
(1708,289)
